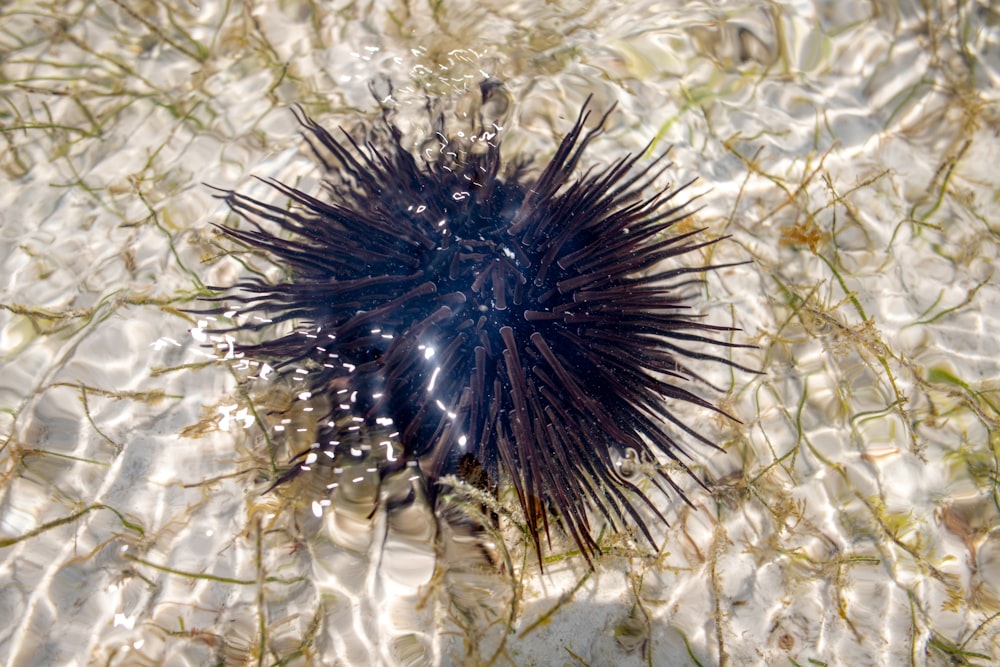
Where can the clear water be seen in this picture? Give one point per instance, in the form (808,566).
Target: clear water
(849,150)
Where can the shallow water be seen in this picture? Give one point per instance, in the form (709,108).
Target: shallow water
(847,148)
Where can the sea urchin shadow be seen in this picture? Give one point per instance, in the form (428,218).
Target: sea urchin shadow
(456,309)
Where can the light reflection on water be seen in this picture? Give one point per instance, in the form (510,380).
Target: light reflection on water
(855,516)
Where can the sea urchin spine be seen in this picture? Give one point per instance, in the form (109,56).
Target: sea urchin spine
(535,324)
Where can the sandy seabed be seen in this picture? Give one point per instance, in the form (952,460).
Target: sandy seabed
(848,149)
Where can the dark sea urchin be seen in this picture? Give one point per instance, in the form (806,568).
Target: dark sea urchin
(532,325)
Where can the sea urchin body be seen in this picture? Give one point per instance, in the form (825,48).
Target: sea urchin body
(533,323)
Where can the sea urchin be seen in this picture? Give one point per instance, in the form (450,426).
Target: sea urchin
(468,310)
